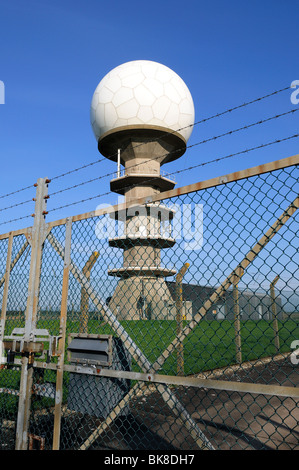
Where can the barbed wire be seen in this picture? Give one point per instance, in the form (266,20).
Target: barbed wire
(183,170)
(16,205)
(78,169)
(248,126)
(227,111)
(239,153)
(222,113)
(17,191)
(16,219)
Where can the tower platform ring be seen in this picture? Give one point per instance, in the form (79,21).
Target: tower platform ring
(142,271)
(123,183)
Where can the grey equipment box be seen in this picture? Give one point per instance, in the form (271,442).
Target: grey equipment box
(93,395)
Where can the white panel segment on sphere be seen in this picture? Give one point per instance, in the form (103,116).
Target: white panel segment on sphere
(113,84)
(145,114)
(144,96)
(122,95)
(173,116)
(155,87)
(128,110)
(161,107)
(133,81)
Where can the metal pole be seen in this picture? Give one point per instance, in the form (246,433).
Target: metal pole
(118,163)
(179,317)
(237,322)
(37,241)
(274,314)
(5,291)
(62,334)
(84,294)
(14,262)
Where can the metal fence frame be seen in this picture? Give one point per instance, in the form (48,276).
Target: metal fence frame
(30,338)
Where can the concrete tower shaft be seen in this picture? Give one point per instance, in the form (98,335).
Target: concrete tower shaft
(142,115)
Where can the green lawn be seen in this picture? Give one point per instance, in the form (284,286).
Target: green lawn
(210,345)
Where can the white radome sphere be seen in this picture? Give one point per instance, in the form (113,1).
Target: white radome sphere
(142,92)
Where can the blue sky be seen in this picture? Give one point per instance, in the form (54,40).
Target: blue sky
(54,53)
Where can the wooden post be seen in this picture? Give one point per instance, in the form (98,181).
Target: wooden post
(14,262)
(274,313)
(237,322)
(84,294)
(37,239)
(179,317)
(62,334)
(5,291)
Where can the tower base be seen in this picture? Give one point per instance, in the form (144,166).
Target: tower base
(145,298)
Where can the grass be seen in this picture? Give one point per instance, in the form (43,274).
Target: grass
(210,345)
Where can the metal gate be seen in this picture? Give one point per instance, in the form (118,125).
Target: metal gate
(200,353)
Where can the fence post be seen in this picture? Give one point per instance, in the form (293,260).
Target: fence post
(237,322)
(274,313)
(84,295)
(62,334)
(179,317)
(5,291)
(36,240)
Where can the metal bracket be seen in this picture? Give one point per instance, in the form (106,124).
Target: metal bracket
(16,343)
(90,349)
(40,439)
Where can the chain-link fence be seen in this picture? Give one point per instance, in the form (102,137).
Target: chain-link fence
(168,324)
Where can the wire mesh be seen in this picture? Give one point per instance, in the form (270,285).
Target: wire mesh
(15,318)
(139,329)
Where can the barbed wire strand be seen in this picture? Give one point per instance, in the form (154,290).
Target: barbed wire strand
(16,205)
(175,172)
(248,126)
(186,169)
(222,113)
(17,191)
(229,110)
(14,220)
